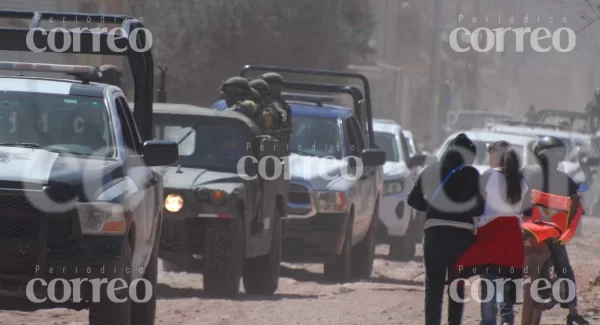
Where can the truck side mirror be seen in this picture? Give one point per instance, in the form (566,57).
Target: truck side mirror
(416,160)
(373,157)
(160,153)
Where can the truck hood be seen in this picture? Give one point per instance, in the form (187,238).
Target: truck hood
(307,168)
(395,170)
(68,174)
(188,178)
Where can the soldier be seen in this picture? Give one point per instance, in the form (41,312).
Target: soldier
(267,103)
(275,82)
(593,111)
(235,90)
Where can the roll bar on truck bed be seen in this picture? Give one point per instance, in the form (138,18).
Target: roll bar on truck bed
(325,73)
(141,63)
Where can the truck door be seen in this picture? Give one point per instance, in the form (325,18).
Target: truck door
(144,201)
(365,203)
(268,152)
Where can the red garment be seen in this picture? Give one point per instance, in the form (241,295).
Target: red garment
(498,249)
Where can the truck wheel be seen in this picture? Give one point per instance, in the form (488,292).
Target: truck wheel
(340,270)
(261,274)
(402,248)
(363,254)
(145,312)
(108,312)
(224,258)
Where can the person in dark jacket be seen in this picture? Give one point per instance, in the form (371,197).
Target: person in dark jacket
(448,192)
(545,177)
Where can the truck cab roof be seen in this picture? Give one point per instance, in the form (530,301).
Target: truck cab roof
(325,110)
(52,86)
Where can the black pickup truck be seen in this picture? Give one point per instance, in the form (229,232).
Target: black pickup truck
(79,198)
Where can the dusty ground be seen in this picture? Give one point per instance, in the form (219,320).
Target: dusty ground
(394,296)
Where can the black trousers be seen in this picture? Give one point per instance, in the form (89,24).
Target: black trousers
(562,267)
(442,247)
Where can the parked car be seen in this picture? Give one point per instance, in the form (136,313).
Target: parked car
(583,155)
(483,138)
(400,224)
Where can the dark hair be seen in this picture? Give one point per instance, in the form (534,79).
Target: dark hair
(498,146)
(512,176)
(461,150)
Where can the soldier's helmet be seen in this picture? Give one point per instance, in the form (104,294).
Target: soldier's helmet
(255,95)
(236,85)
(261,86)
(110,75)
(235,88)
(275,80)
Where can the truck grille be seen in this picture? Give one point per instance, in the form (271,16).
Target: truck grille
(299,200)
(299,194)
(20,233)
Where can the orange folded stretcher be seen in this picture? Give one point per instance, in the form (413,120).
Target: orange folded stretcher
(553,216)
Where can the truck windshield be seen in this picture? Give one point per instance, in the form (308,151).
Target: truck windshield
(316,136)
(387,142)
(73,124)
(203,143)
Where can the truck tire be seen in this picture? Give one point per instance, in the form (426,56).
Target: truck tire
(224,242)
(340,271)
(363,254)
(145,312)
(403,248)
(108,312)
(261,274)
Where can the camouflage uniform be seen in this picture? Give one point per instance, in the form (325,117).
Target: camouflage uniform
(240,97)
(276,83)
(268,105)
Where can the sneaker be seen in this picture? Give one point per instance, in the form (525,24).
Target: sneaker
(576,320)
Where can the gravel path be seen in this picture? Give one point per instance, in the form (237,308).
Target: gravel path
(393,296)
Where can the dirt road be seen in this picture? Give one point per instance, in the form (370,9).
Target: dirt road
(392,297)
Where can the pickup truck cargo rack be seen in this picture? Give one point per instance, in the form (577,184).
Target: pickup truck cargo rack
(92,43)
(340,74)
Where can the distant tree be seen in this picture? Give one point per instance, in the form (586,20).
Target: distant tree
(205,41)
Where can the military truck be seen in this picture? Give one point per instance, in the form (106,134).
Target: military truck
(79,198)
(214,197)
(333,215)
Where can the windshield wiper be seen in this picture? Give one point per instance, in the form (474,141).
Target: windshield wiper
(21,144)
(304,153)
(37,145)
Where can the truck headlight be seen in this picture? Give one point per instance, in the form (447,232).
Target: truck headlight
(390,188)
(173,203)
(331,201)
(101,218)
